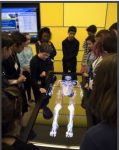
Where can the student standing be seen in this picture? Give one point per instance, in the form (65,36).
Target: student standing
(24,58)
(70,48)
(103,136)
(105,44)
(45,37)
(88,72)
(6,51)
(12,66)
(91,30)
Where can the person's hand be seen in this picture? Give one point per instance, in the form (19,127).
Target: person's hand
(86,86)
(85,74)
(52,60)
(26,69)
(43,74)
(21,79)
(91,84)
(42,90)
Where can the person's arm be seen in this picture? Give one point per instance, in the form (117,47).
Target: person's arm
(53,53)
(64,50)
(77,48)
(38,43)
(21,79)
(85,55)
(22,60)
(34,72)
(84,45)
(66,53)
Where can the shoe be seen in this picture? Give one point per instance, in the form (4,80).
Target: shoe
(47,113)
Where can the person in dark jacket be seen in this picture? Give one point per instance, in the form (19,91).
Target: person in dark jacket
(45,36)
(70,48)
(11,66)
(6,51)
(103,104)
(39,72)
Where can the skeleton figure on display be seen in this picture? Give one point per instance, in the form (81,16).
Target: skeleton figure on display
(67,89)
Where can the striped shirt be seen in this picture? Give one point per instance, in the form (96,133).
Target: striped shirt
(85,55)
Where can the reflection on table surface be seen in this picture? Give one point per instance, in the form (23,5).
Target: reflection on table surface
(79,115)
(42,127)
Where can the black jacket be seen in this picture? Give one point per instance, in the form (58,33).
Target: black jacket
(100,137)
(5,82)
(11,67)
(37,66)
(70,49)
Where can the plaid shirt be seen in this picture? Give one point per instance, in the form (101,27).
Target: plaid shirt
(85,55)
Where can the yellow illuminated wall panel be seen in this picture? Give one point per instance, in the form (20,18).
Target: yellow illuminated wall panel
(84,14)
(51,14)
(58,35)
(111,14)
(59,16)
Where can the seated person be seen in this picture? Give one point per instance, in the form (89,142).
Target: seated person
(11,121)
(103,105)
(39,72)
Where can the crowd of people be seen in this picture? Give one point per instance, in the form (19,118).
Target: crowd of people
(99,84)
(22,71)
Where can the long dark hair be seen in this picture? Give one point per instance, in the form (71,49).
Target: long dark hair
(44,30)
(6,40)
(98,47)
(103,99)
(18,38)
